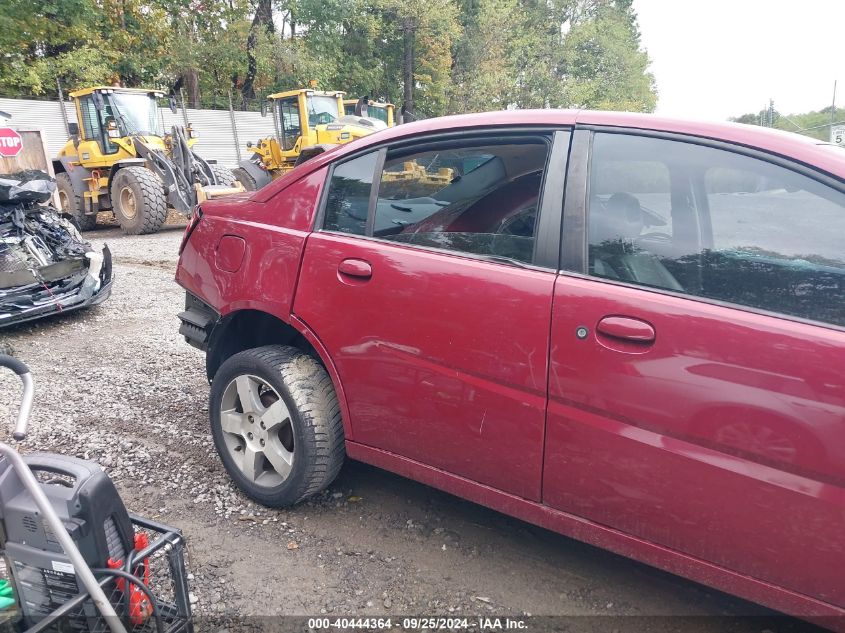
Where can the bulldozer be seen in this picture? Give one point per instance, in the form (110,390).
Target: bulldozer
(119,158)
(380,110)
(306,123)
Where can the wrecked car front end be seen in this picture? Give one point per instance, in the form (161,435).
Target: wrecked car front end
(46,267)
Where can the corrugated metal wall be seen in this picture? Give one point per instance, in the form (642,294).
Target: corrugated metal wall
(214,127)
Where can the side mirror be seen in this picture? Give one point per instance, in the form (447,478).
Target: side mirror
(97,98)
(73,128)
(171,100)
(264,108)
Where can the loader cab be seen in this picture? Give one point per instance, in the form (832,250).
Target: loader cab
(297,113)
(380,110)
(107,115)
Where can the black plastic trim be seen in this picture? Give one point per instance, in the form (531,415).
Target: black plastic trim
(375,185)
(549,221)
(573,250)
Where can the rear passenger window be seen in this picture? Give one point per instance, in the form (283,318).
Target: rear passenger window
(736,228)
(349,195)
(479,199)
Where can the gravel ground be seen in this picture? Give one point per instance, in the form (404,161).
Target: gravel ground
(116,384)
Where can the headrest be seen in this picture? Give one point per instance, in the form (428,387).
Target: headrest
(620,218)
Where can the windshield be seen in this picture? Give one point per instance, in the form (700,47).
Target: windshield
(377,112)
(134,113)
(322,110)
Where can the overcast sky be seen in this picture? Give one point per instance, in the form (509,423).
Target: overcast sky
(713,59)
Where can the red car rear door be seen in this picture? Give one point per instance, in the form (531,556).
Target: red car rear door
(432,292)
(697,380)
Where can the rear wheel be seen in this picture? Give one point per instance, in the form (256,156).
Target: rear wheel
(138,200)
(224,175)
(72,204)
(276,424)
(245,179)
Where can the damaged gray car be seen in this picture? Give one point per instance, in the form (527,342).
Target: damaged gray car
(46,267)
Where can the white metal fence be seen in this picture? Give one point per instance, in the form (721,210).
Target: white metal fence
(216,134)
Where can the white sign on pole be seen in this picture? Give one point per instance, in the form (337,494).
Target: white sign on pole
(837,136)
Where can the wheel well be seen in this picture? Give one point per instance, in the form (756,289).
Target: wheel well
(246,329)
(58,167)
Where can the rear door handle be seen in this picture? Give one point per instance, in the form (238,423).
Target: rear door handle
(357,268)
(627,329)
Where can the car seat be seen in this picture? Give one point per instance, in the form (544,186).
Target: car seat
(614,226)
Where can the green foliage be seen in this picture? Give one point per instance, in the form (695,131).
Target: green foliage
(467,55)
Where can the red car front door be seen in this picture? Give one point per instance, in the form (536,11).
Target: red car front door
(697,381)
(438,328)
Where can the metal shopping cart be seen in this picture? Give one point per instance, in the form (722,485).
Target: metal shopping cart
(74,559)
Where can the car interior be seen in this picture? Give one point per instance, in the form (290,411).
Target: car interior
(488,206)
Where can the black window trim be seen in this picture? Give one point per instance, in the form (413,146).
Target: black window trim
(574,260)
(552,189)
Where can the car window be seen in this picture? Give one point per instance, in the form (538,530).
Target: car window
(348,197)
(739,229)
(480,199)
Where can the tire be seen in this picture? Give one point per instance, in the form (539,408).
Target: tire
(137,196)
(242,175)
(224,175)
(294,421)
(73,204)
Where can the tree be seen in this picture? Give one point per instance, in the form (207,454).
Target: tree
(605,66)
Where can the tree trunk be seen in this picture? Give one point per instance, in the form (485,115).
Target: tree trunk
(192,88)
(263,20)
(408,28)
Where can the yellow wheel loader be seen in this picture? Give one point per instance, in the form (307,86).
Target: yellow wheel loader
(306,123)
(119,158)
(375,109)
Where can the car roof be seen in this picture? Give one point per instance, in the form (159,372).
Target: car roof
(796,147)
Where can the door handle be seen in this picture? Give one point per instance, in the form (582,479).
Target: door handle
(627,329)
(357,268)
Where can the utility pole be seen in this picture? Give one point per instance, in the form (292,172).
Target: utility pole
(64,112)
(408,28)
(833,110)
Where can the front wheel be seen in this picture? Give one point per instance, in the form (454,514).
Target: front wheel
(245,179)
(276,424)
(74,205)
(137,196)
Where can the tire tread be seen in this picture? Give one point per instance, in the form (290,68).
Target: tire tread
(311,389)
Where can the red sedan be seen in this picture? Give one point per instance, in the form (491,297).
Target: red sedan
(623,328)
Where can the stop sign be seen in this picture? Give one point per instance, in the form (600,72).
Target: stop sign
(10,142)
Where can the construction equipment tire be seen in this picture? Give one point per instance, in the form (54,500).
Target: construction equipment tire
(73,204)
(224,175)
(242,175)
(138,200)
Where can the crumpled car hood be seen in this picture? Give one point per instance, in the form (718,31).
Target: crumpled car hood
(46,267)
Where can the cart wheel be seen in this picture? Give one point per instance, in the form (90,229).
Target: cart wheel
(137,196)
(276,424)
(72,204)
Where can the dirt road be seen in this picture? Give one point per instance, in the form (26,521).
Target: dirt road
(118,385)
